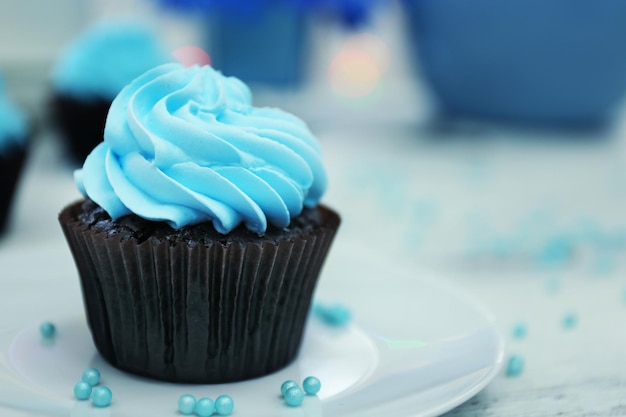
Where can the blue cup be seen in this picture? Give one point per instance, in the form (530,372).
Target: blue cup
(540,62)
(268,46)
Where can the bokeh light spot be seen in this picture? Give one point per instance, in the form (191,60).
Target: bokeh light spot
(192,55)
(356,72)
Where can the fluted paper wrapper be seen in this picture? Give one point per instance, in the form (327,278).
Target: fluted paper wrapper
(202,313)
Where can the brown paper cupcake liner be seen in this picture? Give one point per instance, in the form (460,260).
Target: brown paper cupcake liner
(201,313)
(81,123)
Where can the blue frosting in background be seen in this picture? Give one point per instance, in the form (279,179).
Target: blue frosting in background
(105,58)
(13,122)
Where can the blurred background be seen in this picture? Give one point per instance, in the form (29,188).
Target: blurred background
(528,64)
(314,53)
(482,140)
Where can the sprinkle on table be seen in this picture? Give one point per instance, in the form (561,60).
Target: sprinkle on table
(570,320)
(311,385)
(520,330)
(48,330)
(205,407)
(515,366)
(334,315)
(82,390)
(286,385)
(91,376)
(294,396)
(187,404)
(224,405)
(101,396)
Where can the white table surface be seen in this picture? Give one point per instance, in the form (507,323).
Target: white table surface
(482,207)
(532,224)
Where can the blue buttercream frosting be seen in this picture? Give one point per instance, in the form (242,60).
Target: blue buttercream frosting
(185,145)
(105,58)
(13,122)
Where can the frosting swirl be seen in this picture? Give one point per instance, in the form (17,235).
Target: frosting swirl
(105,58)
(13,123)
(185,145)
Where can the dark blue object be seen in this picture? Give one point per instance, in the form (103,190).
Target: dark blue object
(352,13)
(268,47)
(267,41)
(551,62)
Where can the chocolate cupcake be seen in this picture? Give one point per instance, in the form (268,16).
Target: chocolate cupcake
(14,141)
(201,237)
(91,72)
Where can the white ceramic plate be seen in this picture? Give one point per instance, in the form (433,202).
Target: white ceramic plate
(416,346)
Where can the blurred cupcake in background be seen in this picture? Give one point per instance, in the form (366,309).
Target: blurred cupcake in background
(90,73)
(14,144)
(533,62)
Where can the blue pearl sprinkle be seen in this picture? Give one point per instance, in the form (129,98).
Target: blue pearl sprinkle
(570,320)
(48,330)
(520,330)
(187,404)
(205,407)
(294,396)
(82,390)
(101,396)
(311,385)
(286,385)
(515,366)
(91,376)
(334,315)
(224,405)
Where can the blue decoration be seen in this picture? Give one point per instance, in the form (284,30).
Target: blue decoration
(187,404)
(91,376)
(287,385)
(311,385)
(515,366)
(520,330)
(557,251)
(101,396)
(205,407)
(48,330)
(294,397)
(570,320)
(82,390)
(335,315)
(224,405)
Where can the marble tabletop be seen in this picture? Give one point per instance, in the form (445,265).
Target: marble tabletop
(531,223)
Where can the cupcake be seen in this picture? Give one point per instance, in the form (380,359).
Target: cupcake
(201,237)
(91,72)
(14,139)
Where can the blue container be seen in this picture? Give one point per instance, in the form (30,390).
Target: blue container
(547,62)
(267,46)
